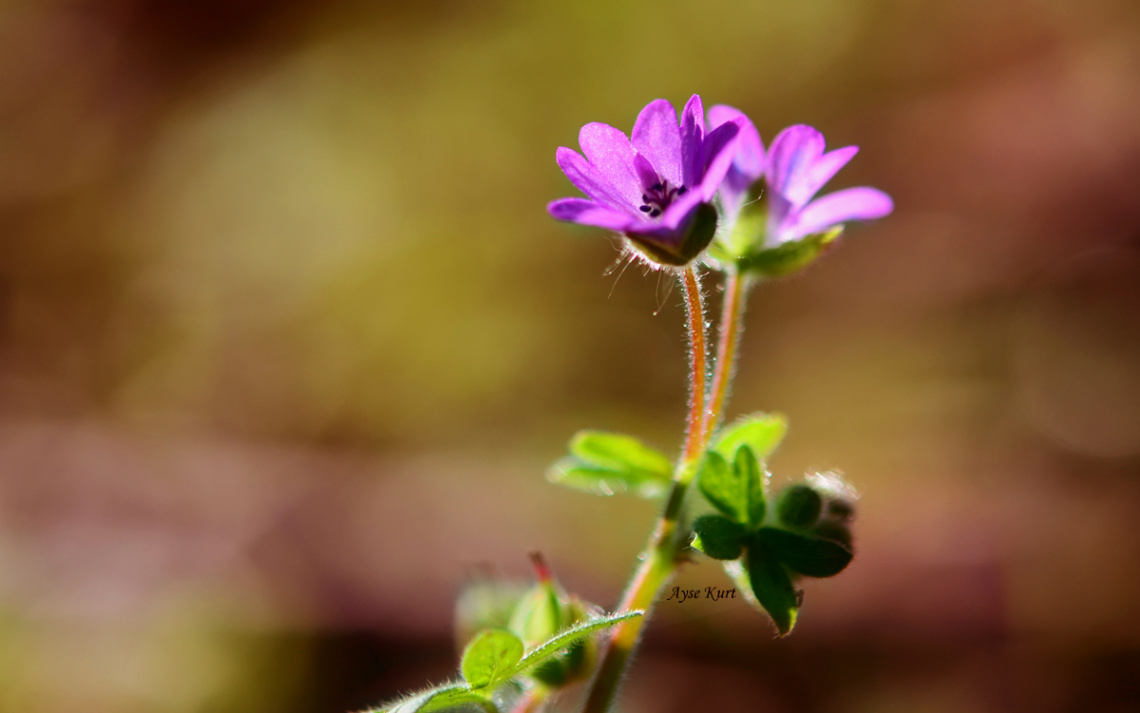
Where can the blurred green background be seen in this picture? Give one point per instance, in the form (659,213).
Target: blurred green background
(287,340)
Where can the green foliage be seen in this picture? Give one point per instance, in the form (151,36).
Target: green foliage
(772,587)
(810,556)
(718,537)
(762,432)
(572,636)
(799,506)
(491,658)
(805,535)
(737,491)
(605,463)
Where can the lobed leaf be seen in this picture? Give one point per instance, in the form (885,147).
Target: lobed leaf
(718,537)
(772,587)
(751,477)
(737,491)
(809,556)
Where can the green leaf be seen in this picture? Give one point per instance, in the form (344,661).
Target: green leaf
(573,473)
(772,587)
(718,483)
(606,463)
(748,472)
(762,432)
(571,636)
(798,506)
(457,696)
(491,657)
(718,537)
(449,695)
(737,491)
(807,555)
(619,452)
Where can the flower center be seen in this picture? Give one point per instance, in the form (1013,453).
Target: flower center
(658,197)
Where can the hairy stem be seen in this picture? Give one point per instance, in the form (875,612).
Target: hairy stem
(698,373)
(736,288)
(659,561)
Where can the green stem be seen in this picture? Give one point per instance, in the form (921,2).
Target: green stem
(659,561)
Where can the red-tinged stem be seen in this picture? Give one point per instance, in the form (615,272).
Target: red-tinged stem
(698,370)
(659,561)
(736,288)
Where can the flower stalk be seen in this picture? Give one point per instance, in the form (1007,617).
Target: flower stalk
(736,288)
(661,557)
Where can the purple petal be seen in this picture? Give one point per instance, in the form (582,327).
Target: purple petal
(692,139)
(793,152)
(580,210)
(836,208)
(718,152)
(609,151)
(748,163)
(590,181)
(680,209)
(820,173)
(657,136)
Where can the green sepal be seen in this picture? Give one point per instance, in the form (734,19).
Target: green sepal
(798,506)
(737,491)
(762,432)
(789,257)
(605,463)
(810,556)
(718,537)
(772,587)
(747,232)
(491,658)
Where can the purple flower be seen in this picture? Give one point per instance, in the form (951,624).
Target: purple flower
(747,163)
(796,169)
(651,187)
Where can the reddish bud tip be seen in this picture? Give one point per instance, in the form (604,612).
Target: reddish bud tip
(541,569)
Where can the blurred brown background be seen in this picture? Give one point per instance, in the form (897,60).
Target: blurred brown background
(287,341)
